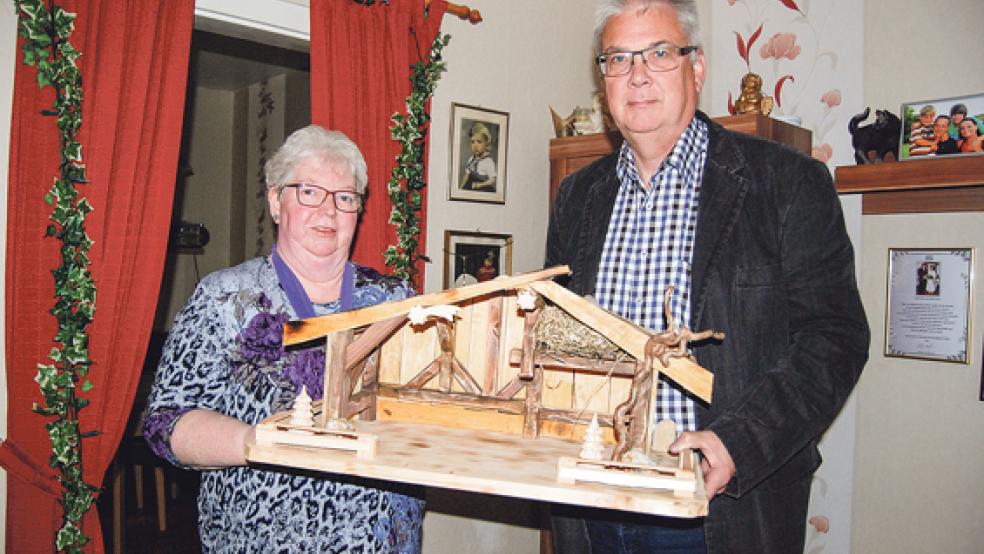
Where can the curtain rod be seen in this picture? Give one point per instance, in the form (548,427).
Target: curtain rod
(462,11)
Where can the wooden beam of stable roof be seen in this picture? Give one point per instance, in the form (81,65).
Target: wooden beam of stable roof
(628,336)
(296,332)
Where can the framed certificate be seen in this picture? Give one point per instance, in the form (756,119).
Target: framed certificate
(929,298)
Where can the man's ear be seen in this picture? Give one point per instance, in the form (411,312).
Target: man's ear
(699,70)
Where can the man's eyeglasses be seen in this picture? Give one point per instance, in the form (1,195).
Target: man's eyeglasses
(314,196)
(661,57)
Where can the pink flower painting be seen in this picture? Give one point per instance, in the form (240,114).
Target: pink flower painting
(781,45)
(780,41)
(823,152)
(831,98)
(820,523)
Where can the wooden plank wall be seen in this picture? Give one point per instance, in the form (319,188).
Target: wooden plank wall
(488,328)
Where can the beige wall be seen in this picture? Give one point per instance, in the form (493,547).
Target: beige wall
(919,447)
(919,444)
(520,61)
(896,72)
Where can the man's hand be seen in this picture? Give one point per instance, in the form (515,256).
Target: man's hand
(717,465)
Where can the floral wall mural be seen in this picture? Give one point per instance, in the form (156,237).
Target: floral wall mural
(808,55)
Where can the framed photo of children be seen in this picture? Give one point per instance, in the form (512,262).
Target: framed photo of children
(472,257)
(478,154)
(944,127)
(929,303)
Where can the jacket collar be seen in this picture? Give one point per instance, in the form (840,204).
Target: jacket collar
(722,193)
(597,215)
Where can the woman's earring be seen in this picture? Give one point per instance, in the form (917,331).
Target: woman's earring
(276,219)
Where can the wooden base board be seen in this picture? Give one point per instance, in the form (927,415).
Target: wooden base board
(479,461)
(277,430)
(682,482)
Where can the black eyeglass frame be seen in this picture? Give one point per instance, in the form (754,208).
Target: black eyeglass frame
(681,51)
(332,193)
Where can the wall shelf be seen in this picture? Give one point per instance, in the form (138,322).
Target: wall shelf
(568,154)
(954,184)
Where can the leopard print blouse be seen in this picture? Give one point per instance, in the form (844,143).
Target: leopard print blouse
(225,353)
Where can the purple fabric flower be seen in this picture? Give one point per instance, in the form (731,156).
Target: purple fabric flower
(308,369)
(157,429)
(262,339)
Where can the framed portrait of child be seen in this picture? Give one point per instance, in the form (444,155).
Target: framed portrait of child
(478,154)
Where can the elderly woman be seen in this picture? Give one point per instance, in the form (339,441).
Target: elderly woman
(224,369)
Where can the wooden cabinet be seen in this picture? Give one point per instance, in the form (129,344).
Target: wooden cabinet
(569,154)
(945,184)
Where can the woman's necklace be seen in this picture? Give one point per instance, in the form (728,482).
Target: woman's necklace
(299,298)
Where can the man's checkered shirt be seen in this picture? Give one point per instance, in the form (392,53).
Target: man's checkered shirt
(650,245)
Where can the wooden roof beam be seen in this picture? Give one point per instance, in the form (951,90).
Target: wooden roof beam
(296,332)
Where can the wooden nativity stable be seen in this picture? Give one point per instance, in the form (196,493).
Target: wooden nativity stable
(458,389)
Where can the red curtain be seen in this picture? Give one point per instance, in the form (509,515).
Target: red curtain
(360,76)
(134,67)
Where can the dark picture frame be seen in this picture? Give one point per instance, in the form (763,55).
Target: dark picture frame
(474,256)
(479,137)
(919,139)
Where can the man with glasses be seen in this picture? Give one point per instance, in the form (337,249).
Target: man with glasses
(751,236)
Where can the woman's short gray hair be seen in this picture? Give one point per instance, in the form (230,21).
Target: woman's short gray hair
(315,140)
(686,12)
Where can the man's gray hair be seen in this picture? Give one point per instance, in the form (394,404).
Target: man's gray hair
(315,140)
(686,11)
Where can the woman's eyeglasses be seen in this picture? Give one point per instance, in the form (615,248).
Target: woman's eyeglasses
(314,196)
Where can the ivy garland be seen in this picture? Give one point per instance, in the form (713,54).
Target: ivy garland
(46,46)
(407,179)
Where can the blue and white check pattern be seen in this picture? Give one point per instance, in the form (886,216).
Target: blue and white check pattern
(649,246)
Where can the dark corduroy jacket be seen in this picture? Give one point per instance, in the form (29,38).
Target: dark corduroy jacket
(773,268)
